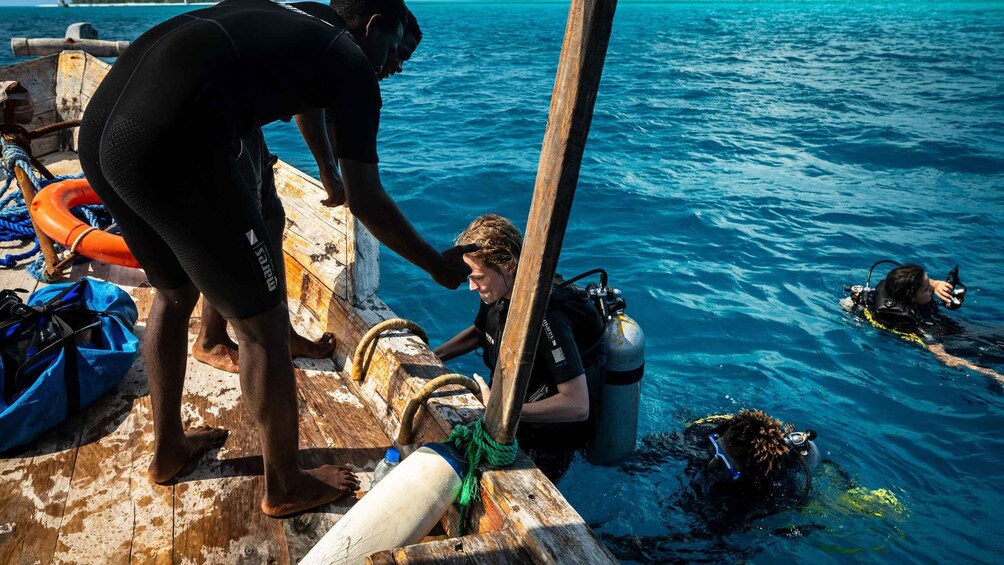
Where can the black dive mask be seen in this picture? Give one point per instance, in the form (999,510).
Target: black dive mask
(958,289)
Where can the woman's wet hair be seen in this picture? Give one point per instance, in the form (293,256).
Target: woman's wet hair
(902,283)
(756,441)
(393,11)
(499,240)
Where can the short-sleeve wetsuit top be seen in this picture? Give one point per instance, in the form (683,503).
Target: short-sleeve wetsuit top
(241,64)
(556,361)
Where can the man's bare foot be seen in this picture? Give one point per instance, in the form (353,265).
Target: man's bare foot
(300,346)
(170,461)
(317,487)
(222,356)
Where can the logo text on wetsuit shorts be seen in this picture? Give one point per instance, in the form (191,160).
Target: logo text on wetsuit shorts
(261,252)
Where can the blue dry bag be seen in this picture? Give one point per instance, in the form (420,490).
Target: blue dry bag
(59,352)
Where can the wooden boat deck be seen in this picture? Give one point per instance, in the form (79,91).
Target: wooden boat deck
(81,489)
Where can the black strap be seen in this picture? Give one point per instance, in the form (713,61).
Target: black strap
(71,375)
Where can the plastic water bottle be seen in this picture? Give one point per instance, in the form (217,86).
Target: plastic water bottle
(386,465)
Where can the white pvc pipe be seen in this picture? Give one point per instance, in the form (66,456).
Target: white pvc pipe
(400,510)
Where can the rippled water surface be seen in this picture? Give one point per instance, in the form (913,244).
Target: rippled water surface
(746,160)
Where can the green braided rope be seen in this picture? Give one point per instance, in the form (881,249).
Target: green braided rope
(478,446)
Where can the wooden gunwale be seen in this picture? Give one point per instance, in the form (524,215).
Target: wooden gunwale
(80,492)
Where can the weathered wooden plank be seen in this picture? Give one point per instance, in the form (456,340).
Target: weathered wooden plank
(338,234)
(34,482)
(364,262)
(578,80)
(94,72)
(34,47)
(153,505)
(335,428)
(500,547)
(99,519)
(307,252)
(69,83)
(38,76)
(314,235)
(217,506)
(302,195)
(547,524)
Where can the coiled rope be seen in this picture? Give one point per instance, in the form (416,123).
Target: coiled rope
(15,221)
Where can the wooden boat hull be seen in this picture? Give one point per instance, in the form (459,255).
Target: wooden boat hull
(80,492)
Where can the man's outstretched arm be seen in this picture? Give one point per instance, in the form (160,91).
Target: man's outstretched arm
(370,203)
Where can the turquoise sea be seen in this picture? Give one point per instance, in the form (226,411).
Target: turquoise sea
(746,160)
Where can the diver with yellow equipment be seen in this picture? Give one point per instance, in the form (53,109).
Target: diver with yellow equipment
(740,469)
(904,303)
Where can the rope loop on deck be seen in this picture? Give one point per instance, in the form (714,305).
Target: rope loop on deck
(479,447)
(364,351)
(417,401)
(15,221)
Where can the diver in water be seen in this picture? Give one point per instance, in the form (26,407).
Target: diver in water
(739,470)
(739,467)
(904,303)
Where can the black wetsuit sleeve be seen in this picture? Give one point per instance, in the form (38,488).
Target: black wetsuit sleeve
(557,349)
(355,102)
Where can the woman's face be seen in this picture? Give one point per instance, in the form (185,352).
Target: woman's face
(923,295)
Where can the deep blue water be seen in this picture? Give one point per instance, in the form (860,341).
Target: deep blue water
(746,160)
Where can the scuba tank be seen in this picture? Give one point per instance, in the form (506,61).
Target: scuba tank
(863,296)
(619,393)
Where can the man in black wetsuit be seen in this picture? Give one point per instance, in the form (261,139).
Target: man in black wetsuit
(555,420)
(213,345)
(159,144)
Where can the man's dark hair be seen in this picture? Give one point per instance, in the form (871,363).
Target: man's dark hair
(902,283)
(412,27)
(394,12)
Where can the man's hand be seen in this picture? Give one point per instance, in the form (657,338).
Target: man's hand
(452,270)
(942,290)
(332,184)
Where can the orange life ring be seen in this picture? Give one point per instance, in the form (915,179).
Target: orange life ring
(51,211)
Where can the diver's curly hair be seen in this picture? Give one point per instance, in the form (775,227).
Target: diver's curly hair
(500,241)
(757,442)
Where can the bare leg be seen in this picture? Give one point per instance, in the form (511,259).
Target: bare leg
(269,391)
(164,346)
(213,346)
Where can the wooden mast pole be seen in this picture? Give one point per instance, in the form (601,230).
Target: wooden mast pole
(582,53)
